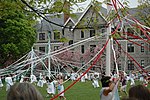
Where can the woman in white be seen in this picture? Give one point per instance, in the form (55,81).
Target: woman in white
(1,83)
(40,82)
(9,82)
(50,87)
(60,87)
(33,78)
(22,79)
(95,81)
(82,78)
(72,76)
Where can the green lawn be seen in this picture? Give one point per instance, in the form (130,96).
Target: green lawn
(80,91)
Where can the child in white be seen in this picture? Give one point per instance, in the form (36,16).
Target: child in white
(40,82)
(82,78)
(95,81)
(9,82)
(22,78)
(61,87)
(72,76)
(33,78)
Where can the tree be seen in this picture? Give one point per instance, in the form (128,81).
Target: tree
(144,11)
(17,34)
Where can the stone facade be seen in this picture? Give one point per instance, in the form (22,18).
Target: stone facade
(85,25)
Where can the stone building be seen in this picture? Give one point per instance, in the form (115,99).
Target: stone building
(86,25)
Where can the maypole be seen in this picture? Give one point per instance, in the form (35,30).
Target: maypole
(49,54)
(108,47)
(32,64)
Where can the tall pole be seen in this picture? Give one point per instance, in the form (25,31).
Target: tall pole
(125,63)
(108,47)
(32,64)
(49,53)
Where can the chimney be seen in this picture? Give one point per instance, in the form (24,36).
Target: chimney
(67,10)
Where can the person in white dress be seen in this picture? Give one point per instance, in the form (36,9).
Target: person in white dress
(132,79)
(1,83)
(33,78)
(22,79)
(9,82)
(40,82)
(72,76)
(50,87)
(82,78)
(60,87)
(95,81)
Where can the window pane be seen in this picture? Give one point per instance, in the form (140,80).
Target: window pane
(142,47)
(41,36)
(92,33)
(82,48)
(42,49)
(82,34)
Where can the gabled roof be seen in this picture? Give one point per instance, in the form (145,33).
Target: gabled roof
(86,10)
(69,19)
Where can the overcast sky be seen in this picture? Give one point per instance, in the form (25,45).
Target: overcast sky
(132,4)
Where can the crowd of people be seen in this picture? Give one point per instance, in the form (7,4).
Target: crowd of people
(18,88)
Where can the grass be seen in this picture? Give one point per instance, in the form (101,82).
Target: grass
(80,91)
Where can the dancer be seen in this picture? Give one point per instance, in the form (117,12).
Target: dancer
(95,81)
(9,82)
(40,82)
(1,83)
(145,81)
(33,78)
(51,87)
(82,78)
(22,79)
(72,76)
(61,87)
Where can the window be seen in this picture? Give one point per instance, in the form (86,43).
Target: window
(82,48)
(142,47)
(42,49)
(130,65)
(70,42)
(130,30)
(142,63)
(130,47)
(82,34)
(92,47)
(56,35)
(92,33)
(56,48)
(41,36)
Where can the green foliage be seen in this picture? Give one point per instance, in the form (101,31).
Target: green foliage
(144,12)
(16,31)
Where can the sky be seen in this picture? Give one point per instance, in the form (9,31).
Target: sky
(132,3)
